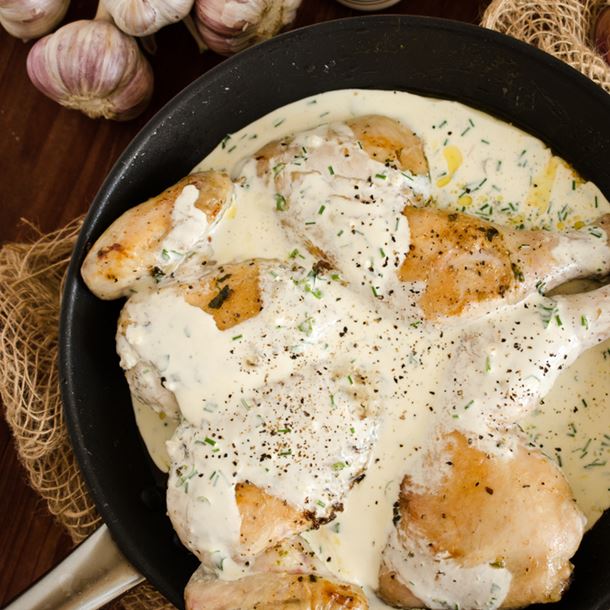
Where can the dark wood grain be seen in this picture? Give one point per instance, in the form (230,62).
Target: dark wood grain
(52,162)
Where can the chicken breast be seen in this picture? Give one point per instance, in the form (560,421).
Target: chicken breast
(230,294)
(385,141)
(469,265)
(510,521)
(151,239)
(265,519)
(388,141)
(285,576)
(274,592)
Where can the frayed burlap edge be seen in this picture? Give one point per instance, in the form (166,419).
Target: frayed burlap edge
(563,28)
(31,277)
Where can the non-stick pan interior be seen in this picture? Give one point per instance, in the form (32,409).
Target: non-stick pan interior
(427,56)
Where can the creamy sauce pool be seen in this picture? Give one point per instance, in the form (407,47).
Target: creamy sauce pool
(477,165)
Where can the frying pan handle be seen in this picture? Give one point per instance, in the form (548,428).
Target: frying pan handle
(95,573)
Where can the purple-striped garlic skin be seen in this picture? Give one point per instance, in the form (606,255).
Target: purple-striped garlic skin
(93,67)
(27,19)
(229,26)
(145,17)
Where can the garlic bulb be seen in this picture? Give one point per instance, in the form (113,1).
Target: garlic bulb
(144,17)
(93,67)
(228,26)
(27,19)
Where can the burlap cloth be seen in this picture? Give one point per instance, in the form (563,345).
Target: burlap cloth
(31,278)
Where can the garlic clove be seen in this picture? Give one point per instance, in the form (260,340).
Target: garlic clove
(145,17)
(228,26)
(28,19)
(93,67)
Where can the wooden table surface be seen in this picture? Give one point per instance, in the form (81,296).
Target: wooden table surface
(52,163)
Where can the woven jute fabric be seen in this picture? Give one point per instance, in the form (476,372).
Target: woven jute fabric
(31,277)
(563,28)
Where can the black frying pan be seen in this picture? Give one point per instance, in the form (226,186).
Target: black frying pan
(428,56)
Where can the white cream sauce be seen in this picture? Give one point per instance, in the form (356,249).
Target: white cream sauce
(378,380)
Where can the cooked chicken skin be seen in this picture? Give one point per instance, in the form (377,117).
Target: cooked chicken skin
(385,140)
(465,261)
(278,592)
(515,513)
(130,250)
(265,519)
(287,575)
(388,141)
(230,294)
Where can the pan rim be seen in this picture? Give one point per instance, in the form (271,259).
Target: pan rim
(68,360)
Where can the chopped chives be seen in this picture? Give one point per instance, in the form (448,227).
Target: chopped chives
(280,202)
(295,253)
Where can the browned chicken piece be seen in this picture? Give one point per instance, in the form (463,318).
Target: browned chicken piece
(129,252)
(465,261)
(285,576)
(513,513)
(385,140)
(231,294)
(388,141)
(265,519)
(274,591)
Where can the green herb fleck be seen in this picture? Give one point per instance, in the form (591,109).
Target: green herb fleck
(295,253)
(595,463)
(278,168)
(517,272)
(280,202)
(220,298)
(306,326)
